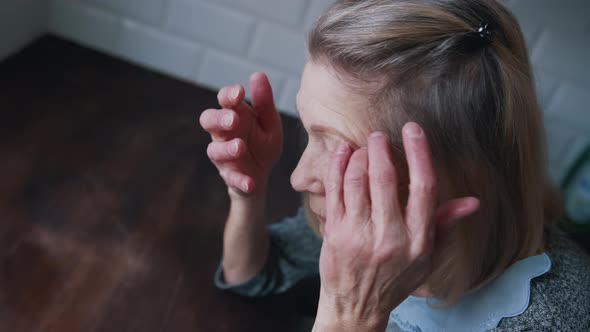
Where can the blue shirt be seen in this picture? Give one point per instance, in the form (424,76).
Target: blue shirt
(506,296)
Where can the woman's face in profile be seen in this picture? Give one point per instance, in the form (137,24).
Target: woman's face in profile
(331,115)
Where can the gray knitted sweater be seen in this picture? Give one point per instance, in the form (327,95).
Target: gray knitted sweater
(559,299)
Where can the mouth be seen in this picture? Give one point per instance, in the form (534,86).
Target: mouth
(315,206)
(321,218)
(321,223)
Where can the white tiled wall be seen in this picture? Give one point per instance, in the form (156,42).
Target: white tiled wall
(219,42)
(211,42)
(20,22)
(558,37)
(216,42)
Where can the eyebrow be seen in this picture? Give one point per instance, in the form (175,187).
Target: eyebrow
(323,130)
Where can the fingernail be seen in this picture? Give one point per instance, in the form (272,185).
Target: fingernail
(413,130)
(342,149)
(245,186)
(234,148)
(377,134)
(234,93)
(228,120)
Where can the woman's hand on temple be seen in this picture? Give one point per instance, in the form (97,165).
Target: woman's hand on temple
(246,141)
(376,253)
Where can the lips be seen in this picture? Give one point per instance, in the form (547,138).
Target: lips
(316,205)
(318,215)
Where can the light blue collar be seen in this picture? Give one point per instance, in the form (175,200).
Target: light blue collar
(506,296)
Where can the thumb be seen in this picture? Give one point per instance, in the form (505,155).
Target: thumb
(262,100)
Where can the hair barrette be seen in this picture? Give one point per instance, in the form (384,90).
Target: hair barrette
(485,32)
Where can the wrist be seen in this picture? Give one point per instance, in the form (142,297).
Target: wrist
(245,239)
(333,316)
(257,195)
(327,323)
(249,201)
(248,210)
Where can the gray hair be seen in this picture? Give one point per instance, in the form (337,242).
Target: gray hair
(424,61)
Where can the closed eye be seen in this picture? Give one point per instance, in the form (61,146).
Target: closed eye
(303,138)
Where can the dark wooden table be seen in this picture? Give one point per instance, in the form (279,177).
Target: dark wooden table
(111,216)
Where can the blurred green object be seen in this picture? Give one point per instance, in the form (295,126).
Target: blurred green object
(576,195)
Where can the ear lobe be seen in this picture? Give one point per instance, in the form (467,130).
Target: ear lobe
(451,213)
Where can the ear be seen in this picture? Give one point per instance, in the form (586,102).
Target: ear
(451,213)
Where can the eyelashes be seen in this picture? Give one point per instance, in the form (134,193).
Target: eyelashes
(303,137)
(326,143)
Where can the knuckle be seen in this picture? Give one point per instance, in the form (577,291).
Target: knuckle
(331,186)
(381,212)
(384,254)
(427,187)
(358,213)
(229,181)
(354,179)
(232,179)
(384,178)
(211,151)
(387,251)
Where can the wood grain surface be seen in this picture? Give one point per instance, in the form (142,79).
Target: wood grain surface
(111,215)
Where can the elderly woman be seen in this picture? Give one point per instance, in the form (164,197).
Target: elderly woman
(426,203)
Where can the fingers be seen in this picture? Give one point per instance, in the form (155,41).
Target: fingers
(262,100)
(226,151)
(422,196)
(382,180)
(356,187)
(216,122)
(333,184)
(231,96)
(238,181)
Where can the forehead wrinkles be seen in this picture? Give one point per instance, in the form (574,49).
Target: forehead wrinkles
(330,122)
(324,100)
(327,122)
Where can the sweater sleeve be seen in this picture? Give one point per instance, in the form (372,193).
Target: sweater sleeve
(293,255)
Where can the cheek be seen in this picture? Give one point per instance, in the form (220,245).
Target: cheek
(315,163)
(323,164)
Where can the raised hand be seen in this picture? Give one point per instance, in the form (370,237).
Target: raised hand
(376,253)
(246,141)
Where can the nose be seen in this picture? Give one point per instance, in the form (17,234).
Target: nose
(305,177)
